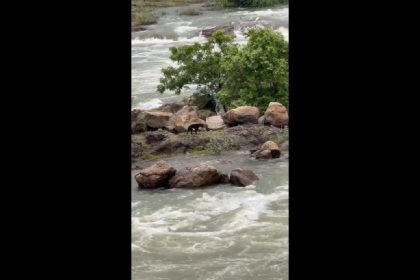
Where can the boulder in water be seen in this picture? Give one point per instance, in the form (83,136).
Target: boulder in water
(267,150)
(195,177)
(228,29)
(241,177)
(276,115)
(155,176)
(137,28)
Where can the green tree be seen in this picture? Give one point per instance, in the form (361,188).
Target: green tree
(232,76)
(199,64)
(258,73)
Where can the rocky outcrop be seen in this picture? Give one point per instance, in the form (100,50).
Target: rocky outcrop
(138,122)
(269,145)
(195,177)
(228,29)
(241,115)
(276,115)
(153,138)
(180,146)
(267,150)
(204,114)
(155,120)
(241,177)
(215,123)
(162,174)
(263,154)
(180,121)
(252,134)
(241,137)
(137,28)
(155,176)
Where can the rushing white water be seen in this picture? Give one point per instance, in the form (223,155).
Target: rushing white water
(150,48)
(218,232)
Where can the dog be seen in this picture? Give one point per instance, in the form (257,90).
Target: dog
(195,127)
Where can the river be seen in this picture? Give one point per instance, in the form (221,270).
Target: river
(150,48)
(218,232)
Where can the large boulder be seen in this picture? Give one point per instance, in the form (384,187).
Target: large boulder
(241,177)
(203,114)
(137,28)
(215,123)
(138,122)
(267,150)
(155,176)
(228,29)
(263,154)
(155,120)
(180,121)
(269,145)
(194,177)
(241,115)
(276,115)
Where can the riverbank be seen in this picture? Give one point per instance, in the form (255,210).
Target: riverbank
(164,133)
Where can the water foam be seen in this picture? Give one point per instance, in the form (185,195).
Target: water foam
(149,105)
(226,212)
(164,41)
(282,12)
(153,40)
(185,29)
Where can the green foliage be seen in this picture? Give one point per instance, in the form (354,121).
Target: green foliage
(258,73)
(198,64)
(255,74)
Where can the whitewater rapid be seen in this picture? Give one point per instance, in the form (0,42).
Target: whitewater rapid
(150,48)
